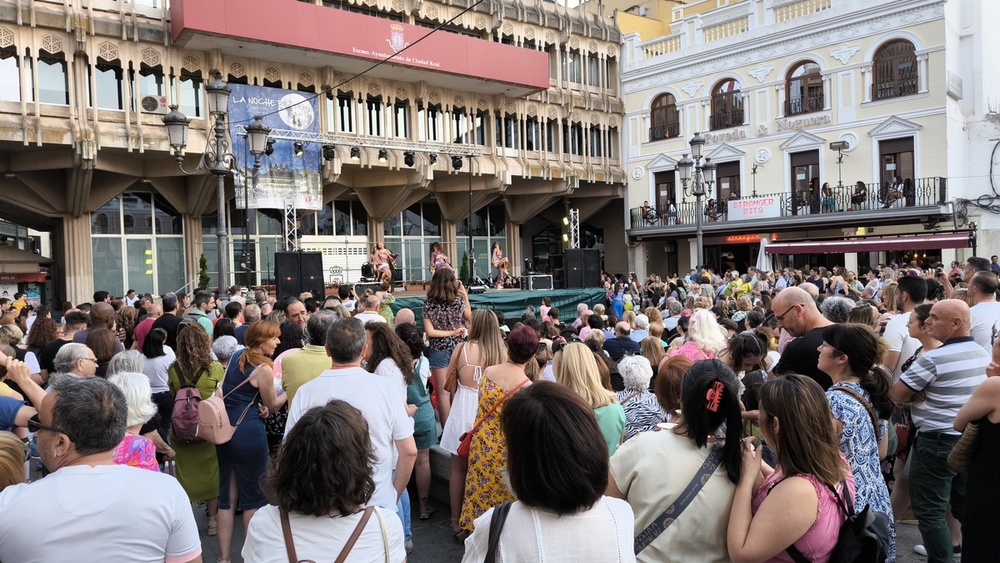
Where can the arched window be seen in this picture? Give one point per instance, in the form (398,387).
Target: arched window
(895,71)
(665,119)
(10,75)
(804,89)
(727,105)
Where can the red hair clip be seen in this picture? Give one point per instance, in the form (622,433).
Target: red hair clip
(714,396)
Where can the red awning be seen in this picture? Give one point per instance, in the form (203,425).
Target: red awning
(962,239)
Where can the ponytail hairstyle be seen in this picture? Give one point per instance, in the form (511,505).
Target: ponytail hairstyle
(710,399)
(861,346)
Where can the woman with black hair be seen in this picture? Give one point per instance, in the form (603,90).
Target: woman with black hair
(859,399)
(652,469)
(157,358)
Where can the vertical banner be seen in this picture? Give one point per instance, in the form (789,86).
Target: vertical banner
(283,176)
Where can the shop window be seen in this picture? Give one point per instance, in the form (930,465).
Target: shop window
(664,118)
(53,82)
(727,105)
(804,89)
(10,75)
(895,71)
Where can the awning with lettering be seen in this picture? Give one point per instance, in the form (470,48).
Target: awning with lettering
(956,239)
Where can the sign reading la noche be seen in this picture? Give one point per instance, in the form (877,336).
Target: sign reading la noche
(754,208)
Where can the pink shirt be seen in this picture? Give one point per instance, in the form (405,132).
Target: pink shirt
(819,540)
(691,351)
(136,451)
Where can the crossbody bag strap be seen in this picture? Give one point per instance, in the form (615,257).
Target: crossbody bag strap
(498,403)
(663,521)
(385,534)
(286,530)
(864,403)
(630,397)
(846,503)
(354,536)
(496,527)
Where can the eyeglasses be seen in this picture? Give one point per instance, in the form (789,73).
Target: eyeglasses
(34,425)
(826,345)
(781,317)
(95,360)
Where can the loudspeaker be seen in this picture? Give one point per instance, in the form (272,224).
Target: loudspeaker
(536,283)
(359,288)
(582,267)
(296,272)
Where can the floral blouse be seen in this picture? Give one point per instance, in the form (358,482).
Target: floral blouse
(136,451)
(444,316)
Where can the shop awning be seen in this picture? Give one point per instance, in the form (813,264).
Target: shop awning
(958,239)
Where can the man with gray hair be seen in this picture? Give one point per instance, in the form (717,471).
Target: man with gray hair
(79,425)
(836,309)
(581,316)
(302,366)
(369,306)
(251,313)
(77,360)
(376,398)
(674,309)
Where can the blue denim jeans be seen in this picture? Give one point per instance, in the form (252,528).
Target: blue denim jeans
(933,487)
(403,511)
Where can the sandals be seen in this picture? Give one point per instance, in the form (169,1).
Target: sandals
(213,526)
(426,513)
(459,535)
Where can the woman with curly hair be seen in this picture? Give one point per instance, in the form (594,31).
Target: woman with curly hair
(197,465)
(43,331)
(445,312)
(318,487)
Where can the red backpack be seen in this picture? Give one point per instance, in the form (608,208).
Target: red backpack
(184,417)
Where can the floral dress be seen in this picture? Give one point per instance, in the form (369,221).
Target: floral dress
(484,487)
(859,445)
(136,451)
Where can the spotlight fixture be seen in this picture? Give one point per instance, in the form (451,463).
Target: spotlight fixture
(269,147)
(299,148)
(433,158)
(566,221)
(329,152)
(383,155)
(456,162)
(355,153)
(408,158)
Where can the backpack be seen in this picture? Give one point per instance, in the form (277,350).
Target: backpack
(863,537)
(188,319)
(184,416)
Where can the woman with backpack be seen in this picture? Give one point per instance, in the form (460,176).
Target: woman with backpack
(196,462)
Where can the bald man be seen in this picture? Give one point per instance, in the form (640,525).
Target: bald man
(946,378)
(796,312)
(102,315)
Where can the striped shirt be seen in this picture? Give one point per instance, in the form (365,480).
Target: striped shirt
(947,375)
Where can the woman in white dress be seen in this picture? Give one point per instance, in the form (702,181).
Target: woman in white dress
(484,348)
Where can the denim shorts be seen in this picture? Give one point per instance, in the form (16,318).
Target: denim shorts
(439,359)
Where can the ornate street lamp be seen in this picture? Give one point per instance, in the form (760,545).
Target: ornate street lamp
(701,177)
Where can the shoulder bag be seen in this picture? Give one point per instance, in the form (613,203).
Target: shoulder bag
(286,530)
(213,420)
(871,413)
(496,527)
(663,521)
(862,538)
(465,440)
(961,453)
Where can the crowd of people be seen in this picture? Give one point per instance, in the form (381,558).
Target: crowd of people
(708,417)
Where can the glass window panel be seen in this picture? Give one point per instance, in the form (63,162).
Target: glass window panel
(413,260)
(10,76)
(138,213)
(432,220)
(208,224)
(53,87)
(189,91)
(265,258)
(168,220)
(324,220)
(107,260)
(498,220)
(270,222)
(393,226)
(360,218)
(412,221)
(342,217)
(110,88)
(169,264)
(240,275)
(140,265)
(150,81)
(107,219)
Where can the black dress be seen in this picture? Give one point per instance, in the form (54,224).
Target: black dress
(980,537)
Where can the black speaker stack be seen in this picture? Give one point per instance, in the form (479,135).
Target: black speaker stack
(582,267)
(296,272)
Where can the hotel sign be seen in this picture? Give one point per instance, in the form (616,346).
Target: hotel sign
(754,208)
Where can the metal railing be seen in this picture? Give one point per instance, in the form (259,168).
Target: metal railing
(668,130)
(922,192)
(806,104)
(895,89)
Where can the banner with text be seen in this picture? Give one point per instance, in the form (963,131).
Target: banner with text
(754,208)
(284,177)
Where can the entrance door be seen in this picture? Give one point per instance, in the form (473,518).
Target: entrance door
(664,191)
(896,156)
(805,182)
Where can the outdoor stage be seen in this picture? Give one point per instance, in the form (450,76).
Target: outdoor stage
(511,302)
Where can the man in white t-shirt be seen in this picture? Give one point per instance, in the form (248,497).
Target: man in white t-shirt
(985,308)
(369,306)
(390,427)
(89,508)
(910,292)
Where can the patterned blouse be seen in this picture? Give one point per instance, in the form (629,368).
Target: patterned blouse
(444,316)
(642,411)
(439,260)
(136,451)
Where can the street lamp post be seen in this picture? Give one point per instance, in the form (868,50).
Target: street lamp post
(215,161)
(700,176)
(257,134)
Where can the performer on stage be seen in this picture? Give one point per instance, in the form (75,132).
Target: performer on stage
(381,259)
(500,262)
(439,260)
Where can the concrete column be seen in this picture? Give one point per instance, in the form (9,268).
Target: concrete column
(449,237)
(513,247)
(75,253)
(192,248)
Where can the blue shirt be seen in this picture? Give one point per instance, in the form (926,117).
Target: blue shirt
(8,412)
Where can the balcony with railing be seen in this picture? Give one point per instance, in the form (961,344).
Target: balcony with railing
(804,104)
(885,201)
(905,86)
(667,130)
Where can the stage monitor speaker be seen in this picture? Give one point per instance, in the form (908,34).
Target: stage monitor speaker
(296,272)
(359,288)
(536,282)
(582,267)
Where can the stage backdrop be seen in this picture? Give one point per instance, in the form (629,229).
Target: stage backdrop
(512,303)
(283,176)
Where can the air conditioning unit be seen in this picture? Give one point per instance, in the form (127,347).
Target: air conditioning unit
(154,104)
